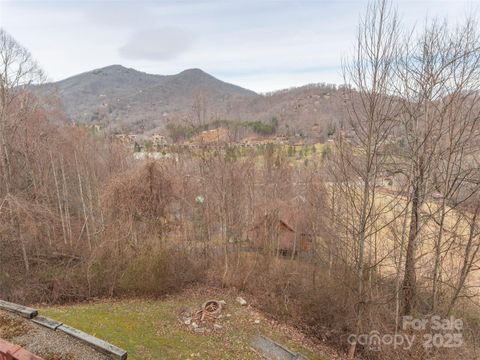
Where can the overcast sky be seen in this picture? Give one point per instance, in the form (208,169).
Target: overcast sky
(262,45)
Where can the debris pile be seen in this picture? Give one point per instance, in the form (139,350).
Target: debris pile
(207,319)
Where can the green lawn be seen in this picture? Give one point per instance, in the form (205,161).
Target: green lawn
(151,329)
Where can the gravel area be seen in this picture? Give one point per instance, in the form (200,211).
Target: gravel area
(49,344)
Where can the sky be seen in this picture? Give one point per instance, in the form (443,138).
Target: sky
(262,45)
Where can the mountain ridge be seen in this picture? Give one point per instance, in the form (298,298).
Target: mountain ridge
(126,100)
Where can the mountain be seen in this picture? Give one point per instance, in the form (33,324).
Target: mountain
(129,101)
(119,97)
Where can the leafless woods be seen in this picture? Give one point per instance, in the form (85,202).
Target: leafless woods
(379,223)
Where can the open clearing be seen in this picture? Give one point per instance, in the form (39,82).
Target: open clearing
(153,329)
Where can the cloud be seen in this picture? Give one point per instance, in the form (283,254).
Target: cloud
(125,14)
(159,44)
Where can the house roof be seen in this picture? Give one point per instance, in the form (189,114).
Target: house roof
(292,214)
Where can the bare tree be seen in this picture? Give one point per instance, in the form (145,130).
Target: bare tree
(435,79)
(362,160)
(18,70)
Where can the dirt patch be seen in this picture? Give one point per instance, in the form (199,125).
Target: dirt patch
(11,327)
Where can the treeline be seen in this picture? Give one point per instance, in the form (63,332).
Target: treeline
(178,132)
(424,88)
(322,86)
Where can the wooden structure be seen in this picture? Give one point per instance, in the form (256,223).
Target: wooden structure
(10,351)
(284,230)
